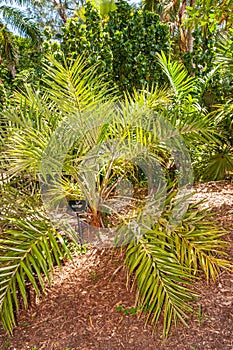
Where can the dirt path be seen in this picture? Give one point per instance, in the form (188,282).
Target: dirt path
(80,310)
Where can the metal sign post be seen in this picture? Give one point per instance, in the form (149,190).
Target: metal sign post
(78,207)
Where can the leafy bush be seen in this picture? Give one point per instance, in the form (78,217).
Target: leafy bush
(124,46)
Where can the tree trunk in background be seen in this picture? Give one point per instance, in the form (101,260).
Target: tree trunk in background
(180,17)
(189,33)
(61,10)
(11,67)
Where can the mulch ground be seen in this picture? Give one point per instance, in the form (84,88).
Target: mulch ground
(80,310)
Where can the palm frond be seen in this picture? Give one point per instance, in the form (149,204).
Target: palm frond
(26,150)
(29,252)
(199,244)
(154,98)
(204,82)
(70,89)
(180,82)
(220,164)
(18,21)
(160,280)
(166,259)
(224,112)
(36,110)
(224,55)
(196,126)
(73,86)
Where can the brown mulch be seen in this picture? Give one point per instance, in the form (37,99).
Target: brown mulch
(80,309)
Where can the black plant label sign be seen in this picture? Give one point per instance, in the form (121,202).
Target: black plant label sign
(77,206)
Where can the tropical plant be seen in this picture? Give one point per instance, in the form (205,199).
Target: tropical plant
(207,133)
(30,246)
(217,157)
(13,18)
(185,111)
(16,18)
(162,284)
(80,141)
(124,45)
(165,262)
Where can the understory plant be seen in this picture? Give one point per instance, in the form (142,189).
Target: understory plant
(214,160)
(76,140)
(164,263)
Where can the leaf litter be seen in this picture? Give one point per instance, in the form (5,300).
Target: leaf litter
(84,309)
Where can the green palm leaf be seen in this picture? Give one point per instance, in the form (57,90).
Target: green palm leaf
(18,21)
(30,144)
(224,52)
(165,260)
(29,252)
(181,83)
(160,280)
(219,165)
(199,245)
(73,86)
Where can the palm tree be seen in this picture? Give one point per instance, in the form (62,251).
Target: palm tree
(15,19)
(59,134)
(38,245)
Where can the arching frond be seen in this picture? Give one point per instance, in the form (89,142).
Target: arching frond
(160,280)
(73,86)
(29,252)
(19,21)
(165,261)
(180,81)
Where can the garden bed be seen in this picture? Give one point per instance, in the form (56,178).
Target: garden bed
(89,306)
